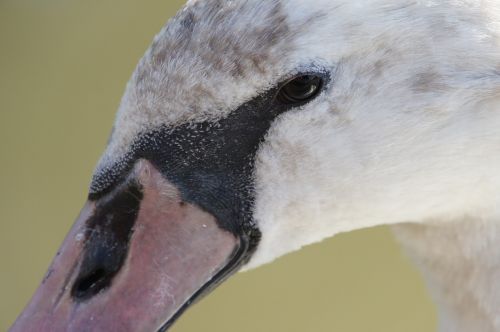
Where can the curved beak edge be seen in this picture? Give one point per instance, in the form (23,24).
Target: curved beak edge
(133,261)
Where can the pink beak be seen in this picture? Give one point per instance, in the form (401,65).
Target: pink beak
(133,261)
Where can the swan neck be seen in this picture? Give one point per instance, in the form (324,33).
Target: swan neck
(460,262)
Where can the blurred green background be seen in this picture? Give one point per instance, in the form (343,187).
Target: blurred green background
(63,68)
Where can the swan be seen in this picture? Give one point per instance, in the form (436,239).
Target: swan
(250,129)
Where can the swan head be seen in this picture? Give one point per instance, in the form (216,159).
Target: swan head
(252,128)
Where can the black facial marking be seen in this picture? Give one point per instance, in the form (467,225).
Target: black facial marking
(211,163)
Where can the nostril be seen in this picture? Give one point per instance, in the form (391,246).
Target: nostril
(91,284)
(107,240)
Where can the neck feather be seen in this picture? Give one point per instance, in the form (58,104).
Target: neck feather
(460,261)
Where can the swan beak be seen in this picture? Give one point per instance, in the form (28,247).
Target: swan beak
(134,260)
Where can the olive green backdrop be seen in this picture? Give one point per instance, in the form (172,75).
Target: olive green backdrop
(63,68)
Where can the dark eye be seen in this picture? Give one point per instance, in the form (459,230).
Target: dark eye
(300,89)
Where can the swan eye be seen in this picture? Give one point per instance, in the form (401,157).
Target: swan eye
(300,89)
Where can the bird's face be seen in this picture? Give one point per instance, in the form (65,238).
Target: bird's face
(248,130)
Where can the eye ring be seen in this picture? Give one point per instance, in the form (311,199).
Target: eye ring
(300,89)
